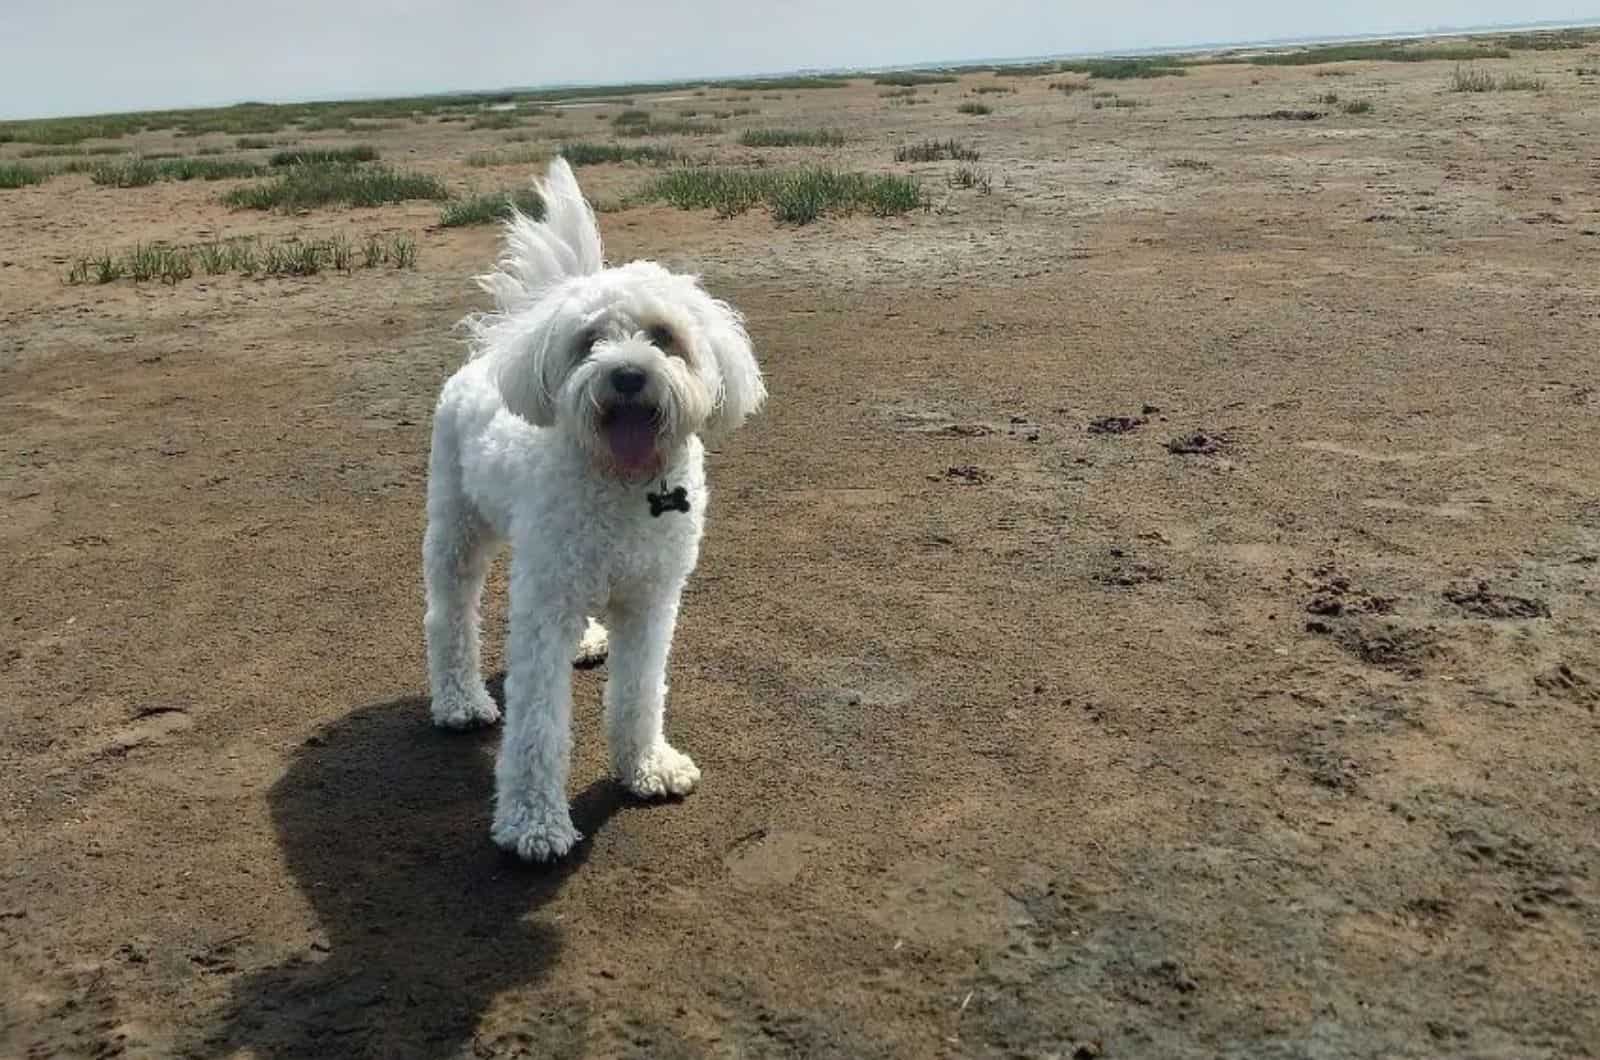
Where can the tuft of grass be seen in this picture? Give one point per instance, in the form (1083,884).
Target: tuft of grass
(252,143)
(667,127)
(1069,86)
(1189,163)
(989,90)
(1123,69)
(911,78)
(1471,79)
(792,197)
(975,108)
(1519,83)
(307,186)
(248,257)
(592,154)
(971,177)
(492,208)
(17,175)
(791,138)
(1111,99)
(315,156)
(1587,71)
(138,172)
(1328,97)
(1288,115)
(934,151)
(1357,106)
(1383,51)
(902,93)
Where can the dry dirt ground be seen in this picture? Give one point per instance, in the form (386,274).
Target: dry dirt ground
(1024,734)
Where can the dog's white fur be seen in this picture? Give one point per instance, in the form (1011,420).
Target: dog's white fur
(522,454)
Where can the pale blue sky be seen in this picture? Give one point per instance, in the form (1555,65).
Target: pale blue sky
(83,56)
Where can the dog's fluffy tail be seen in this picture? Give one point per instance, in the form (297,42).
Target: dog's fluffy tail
(537,254)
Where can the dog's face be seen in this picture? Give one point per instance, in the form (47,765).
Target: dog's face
(630,362)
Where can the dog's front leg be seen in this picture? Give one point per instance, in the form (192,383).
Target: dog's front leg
(636,693)
(531,817)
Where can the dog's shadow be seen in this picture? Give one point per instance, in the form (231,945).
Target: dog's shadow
(383,823)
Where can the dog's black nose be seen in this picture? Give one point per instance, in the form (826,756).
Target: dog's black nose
(627,379)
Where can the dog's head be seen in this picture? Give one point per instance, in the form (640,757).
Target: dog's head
(630,361)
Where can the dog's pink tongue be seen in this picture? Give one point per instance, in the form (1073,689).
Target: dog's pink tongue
(631,434)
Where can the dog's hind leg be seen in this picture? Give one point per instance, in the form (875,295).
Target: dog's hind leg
(636,696)
(456,552)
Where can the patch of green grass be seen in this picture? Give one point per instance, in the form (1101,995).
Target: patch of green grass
(793,196)
(318,156)
(308,186)
(1544,41)
(580,153)
(1027,70)
(667,127)
(774,84)
(1357,106)
(1471,79)
(906,78)
(970,177)
(975,108)
(631,117)
(791,138)
(935,150)
(1519,83)
(1123,69)
(496,119)
(248,257)
(138,172)
(509,156)
(491,208)
(17,175)
(1382,51)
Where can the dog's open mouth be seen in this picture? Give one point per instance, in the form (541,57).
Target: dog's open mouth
(630,433)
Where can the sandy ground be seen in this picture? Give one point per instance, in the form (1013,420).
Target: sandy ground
(1023,736)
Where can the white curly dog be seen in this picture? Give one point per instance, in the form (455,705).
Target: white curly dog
(573,432)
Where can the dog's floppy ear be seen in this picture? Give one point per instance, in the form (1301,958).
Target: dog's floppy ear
(742,391)
(520,372)
(538,253)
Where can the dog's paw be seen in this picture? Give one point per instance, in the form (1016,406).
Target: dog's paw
(470,711)
(593,646)
(663,770)
(535,834)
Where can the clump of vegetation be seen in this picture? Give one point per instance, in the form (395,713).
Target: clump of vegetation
(910,78)
(1383,51)
(307,186)
(1028,70)
(138,172)
(935,151)
(793,197)
(315,156)
(1288,115)
(1189,163)
(975,108)
(1471,79)
(773,84)
(592,154)
(492,208)
(1111,99)
(252,143)
(791,138)
(1123,69)
(1587,71)
(1519,83)
(17,175)
(989,90)
(904,93)
(496,119)
(248,257)
(971,177)
(1069,86)
(1356,106)
(666,127)
(1328,97)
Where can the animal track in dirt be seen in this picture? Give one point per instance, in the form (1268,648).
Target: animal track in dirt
(1562,680)
(1481,602)
(1116,424)
(1198,443)
(1349,615)
(1125,571)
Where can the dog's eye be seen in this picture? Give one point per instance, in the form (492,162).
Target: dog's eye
(586,340)
(662,338)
